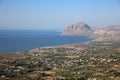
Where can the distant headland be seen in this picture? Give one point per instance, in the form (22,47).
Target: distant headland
(109,33)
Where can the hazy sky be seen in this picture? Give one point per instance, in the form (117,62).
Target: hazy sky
(57,14)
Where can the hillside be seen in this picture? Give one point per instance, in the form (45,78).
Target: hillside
(109,33)
(78,29)
(88,61)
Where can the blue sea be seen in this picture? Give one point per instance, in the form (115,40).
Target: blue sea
(21,40)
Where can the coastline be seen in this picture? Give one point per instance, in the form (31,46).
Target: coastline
(81,59)
(13,41)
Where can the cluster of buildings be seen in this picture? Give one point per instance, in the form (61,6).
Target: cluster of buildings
(92,63)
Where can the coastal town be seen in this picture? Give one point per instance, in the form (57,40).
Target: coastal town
(88,61)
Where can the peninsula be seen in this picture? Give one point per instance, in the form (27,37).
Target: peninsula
(109,33)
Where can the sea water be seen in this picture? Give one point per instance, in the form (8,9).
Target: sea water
(21,40)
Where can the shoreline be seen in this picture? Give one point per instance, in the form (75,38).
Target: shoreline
(78,60)
(50,46)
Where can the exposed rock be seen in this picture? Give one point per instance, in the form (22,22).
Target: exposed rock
(109,33)
(79,29)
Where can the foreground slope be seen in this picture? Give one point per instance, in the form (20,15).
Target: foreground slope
(88,61)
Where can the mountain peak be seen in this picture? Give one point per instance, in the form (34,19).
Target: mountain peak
(82,25)
(77,29)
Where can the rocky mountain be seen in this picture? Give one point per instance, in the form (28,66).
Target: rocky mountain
(109,33)
(78,29)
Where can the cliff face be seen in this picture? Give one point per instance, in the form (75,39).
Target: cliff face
(77,30)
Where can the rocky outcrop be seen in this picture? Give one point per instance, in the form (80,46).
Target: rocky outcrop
(78,29)
(109,33)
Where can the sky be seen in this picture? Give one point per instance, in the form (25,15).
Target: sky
(57,14)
